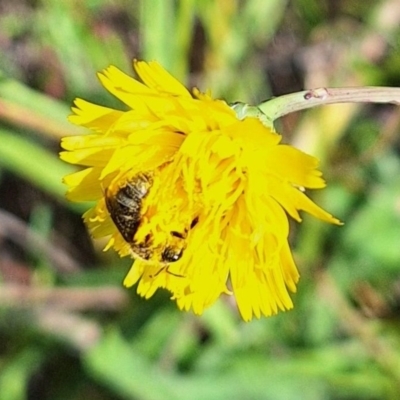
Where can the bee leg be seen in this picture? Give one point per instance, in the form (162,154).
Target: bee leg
(166,269)
(194,222)
(173,273)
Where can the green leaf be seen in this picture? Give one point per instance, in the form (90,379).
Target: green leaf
(15,374)
(126,371)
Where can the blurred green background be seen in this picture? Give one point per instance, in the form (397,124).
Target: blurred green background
(70,331)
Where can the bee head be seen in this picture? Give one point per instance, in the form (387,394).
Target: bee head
(171,254)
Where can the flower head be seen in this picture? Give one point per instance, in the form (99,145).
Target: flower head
(198,197)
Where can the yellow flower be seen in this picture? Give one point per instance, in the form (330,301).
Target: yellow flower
(198,197)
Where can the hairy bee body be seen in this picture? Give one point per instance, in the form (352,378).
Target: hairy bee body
(125,209)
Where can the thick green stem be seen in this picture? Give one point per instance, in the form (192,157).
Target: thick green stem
(286,104)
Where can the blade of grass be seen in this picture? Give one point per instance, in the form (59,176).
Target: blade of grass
(35,164)
(28,108)
(165,32)
(16,372)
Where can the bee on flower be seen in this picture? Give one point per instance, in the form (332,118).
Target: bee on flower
(197,196)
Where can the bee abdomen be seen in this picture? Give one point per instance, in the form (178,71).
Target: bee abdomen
(125,206)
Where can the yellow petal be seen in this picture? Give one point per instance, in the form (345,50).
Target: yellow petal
(294,166)
(93,116)
(84,185)
(124,87)
(157,78)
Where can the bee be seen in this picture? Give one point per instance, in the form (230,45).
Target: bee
(125,209)
(174,250)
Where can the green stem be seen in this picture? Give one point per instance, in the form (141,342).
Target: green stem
(286,104)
